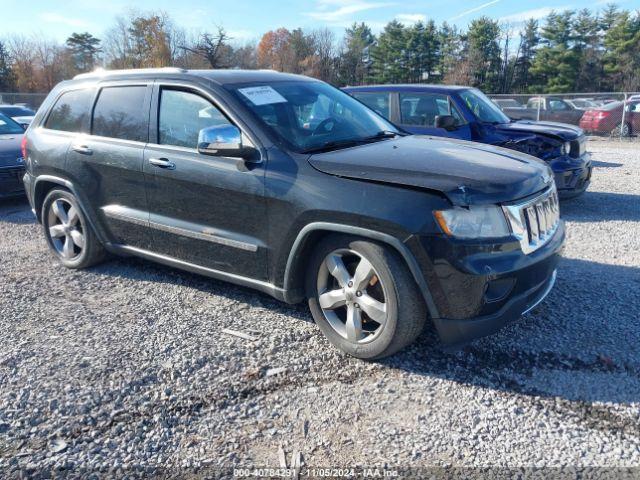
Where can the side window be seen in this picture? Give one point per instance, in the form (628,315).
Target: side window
(70,112)
(183,115)
(557,105)
(379,102)
(120,113)
(423,108)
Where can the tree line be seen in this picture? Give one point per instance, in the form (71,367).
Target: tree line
(569,51)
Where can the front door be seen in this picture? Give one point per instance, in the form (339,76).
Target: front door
(205,210)
(418,112)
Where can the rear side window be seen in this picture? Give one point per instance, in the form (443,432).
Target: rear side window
(183,115)
(379,102)
(121,112)
(70,112)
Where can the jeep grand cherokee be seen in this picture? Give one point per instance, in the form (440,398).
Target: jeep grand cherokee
(287,185)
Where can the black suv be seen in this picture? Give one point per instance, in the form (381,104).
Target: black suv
(287,185)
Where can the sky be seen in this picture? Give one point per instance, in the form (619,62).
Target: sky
(247,20)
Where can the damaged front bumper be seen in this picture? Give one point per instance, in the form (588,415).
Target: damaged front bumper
(572,175)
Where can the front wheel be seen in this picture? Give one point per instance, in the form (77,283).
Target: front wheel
(363,297)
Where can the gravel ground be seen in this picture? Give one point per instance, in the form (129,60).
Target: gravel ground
(126,366)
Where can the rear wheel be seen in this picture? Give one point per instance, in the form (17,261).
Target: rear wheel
(621,130)
(363,297)
(68,234)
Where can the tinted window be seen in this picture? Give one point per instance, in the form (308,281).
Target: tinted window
(183,115)
(8,126)
(120,113)
(17,111)
(70,112)
(423,108)
(557,105)
(378,102)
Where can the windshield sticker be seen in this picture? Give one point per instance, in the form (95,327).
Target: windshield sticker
(264,95)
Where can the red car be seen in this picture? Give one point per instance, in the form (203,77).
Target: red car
(608,119)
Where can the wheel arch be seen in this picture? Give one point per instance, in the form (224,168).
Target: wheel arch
(312,233)
(45,183)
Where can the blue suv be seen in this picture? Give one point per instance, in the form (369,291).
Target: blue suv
(467,114)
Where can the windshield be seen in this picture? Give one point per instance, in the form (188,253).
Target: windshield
(17,111)
(483,108)
(312,115)
(8,126)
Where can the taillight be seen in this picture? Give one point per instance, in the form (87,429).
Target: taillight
(603,114)
(23,147)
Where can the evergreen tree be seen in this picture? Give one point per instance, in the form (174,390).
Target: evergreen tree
(556,63)
(84,49)
(6,74)
(389,55)
(355,61)
(622,60)
(483,53)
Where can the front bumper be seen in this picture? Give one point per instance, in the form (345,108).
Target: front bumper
(572,175)
(477,289)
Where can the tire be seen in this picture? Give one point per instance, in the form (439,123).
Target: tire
(388,282)
(73,241)
(621,130)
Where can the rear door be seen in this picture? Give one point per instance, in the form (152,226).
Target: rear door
(206,210)
(418,112)
(107,164)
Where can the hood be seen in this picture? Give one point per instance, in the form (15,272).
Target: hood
(467,173)
(24,120)
(560,130)
(10,150)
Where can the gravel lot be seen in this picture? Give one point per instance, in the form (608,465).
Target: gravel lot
(126,366)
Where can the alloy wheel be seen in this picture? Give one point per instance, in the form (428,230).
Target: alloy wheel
(65,229)
(351,296)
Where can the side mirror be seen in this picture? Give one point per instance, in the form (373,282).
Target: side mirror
(221,141)
(448,122)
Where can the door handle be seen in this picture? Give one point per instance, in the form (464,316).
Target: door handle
(83,149)
(162,163)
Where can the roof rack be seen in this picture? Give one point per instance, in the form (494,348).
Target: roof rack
(100,73)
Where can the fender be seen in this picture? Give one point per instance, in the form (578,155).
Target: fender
(69,186)
(400,247)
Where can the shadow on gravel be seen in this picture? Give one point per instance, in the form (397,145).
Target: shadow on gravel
(576,365)
(139,269)
(16,210)
(599,164)
(599,206)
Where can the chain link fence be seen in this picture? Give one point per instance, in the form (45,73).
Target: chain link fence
(30,100)
(615,115)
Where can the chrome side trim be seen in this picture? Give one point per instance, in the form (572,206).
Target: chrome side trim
(544,294)
(260,285)
(123,214)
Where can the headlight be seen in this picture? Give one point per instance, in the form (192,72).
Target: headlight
(482,221)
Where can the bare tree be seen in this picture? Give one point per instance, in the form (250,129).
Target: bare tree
(212,47)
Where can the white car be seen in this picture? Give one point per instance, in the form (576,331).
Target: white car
(22,115)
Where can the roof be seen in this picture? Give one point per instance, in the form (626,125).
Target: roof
(219,76)
(408,87)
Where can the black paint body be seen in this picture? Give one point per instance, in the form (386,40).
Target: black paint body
(266,214)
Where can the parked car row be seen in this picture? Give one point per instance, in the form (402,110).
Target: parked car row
(21,114)
(287,185)
(467,114)
(594,115)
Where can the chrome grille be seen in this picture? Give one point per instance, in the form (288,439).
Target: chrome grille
(535,221)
